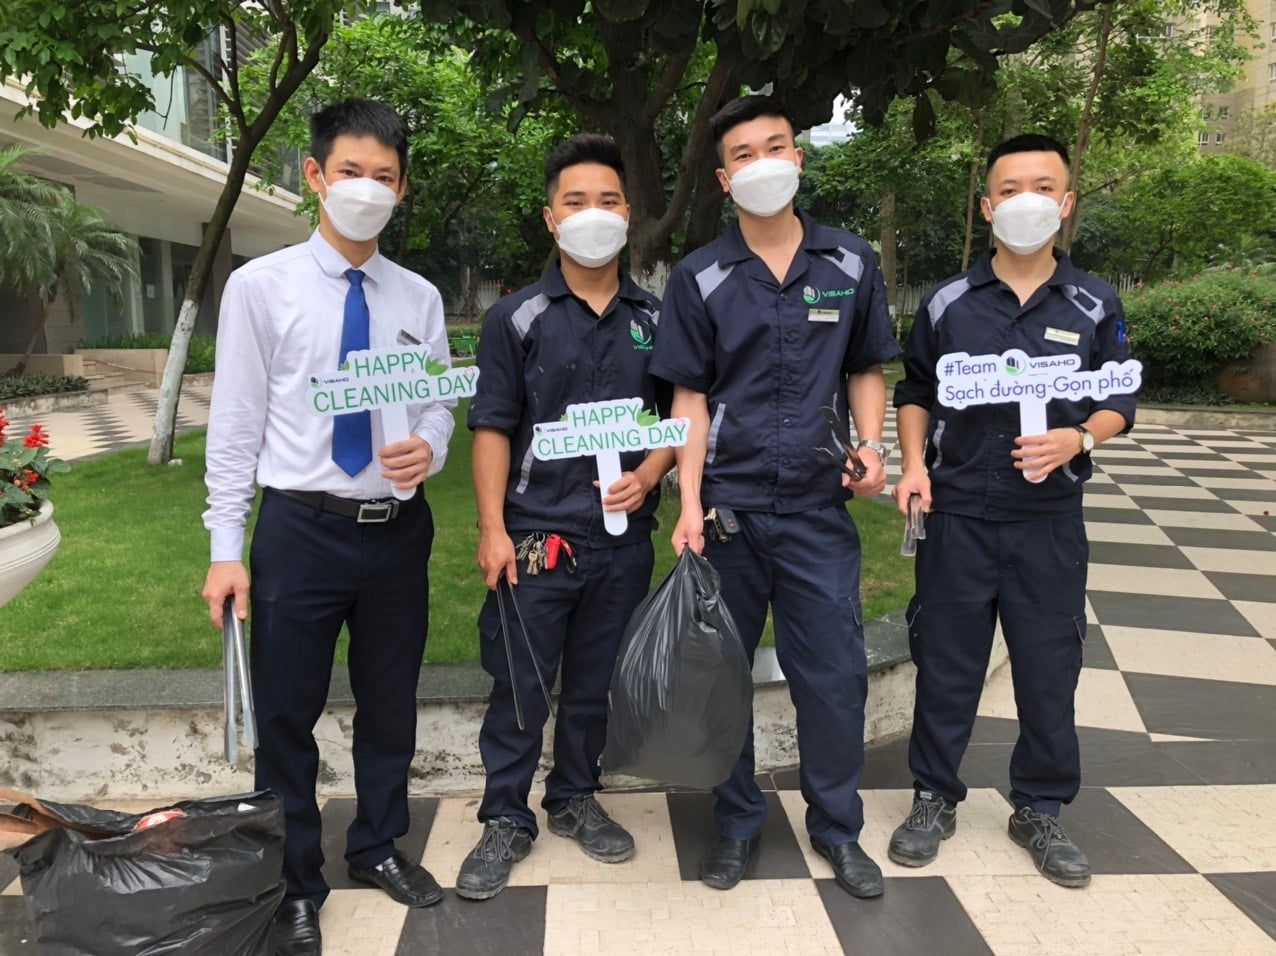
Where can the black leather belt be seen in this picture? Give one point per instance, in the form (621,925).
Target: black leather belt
(377,511)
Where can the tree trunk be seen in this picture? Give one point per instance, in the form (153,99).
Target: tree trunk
(1070,225)
(21,367)
(972,194)
(902,303)
(705,221)
(888,244)
(469,294)
(161,448)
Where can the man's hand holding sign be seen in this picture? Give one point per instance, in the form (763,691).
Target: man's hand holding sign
(390,379)
(966,380)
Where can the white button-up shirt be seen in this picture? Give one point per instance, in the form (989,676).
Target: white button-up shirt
(280,323)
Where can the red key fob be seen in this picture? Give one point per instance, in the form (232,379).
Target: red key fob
(552,544)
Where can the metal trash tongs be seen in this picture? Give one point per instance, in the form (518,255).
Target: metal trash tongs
(858,469)
(509,652)
(238,683)
(914,526)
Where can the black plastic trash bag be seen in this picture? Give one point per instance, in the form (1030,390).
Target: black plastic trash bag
(682,692)
(206,882)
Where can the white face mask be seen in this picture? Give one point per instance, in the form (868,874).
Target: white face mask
(1026,222)
(592,237)
(765,186)
(358,208)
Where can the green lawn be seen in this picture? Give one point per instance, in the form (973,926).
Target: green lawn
(123,591)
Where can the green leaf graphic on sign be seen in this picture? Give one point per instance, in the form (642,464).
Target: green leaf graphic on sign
(343,367)
(435,367)
(648,418)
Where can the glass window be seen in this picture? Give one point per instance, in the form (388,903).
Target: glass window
(1202,138)
(1219,137)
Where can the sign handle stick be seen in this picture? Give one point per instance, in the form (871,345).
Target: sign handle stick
(394,423)
(1032,421)
(608,474)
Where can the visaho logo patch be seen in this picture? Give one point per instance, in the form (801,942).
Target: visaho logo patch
(811,295)
(641,337)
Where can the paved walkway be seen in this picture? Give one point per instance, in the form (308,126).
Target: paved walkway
(1177,708)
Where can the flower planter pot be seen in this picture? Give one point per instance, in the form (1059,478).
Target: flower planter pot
(25,548)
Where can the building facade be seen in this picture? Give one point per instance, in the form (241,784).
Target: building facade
(1254,90)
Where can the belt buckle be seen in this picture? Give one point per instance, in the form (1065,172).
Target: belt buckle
(376,512)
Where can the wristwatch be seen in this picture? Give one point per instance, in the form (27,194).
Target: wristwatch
(882,451)
(1087,440)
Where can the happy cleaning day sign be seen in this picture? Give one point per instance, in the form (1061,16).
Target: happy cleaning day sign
(604,430)
(387,381)
(1014,376)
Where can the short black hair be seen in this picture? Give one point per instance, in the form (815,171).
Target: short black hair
(357,117)
(1027,143)
(742,110)
(582,148)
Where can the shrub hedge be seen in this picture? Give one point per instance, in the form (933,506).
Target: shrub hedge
(201,357)
(26,386)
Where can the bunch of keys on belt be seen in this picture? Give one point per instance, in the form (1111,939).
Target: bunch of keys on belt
(723,524)
(914,526)
(857,468)
(542,552)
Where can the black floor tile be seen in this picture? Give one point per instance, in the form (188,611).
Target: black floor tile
(1203,505)
(1218,710)
(1245,587)
(1186,454)
(512,923)
(1219,473)
(16,935)
(778,855)
(1226,762)
(1220,538)
(1163,612)
(1267,521)
(1125,478)
(1246,494)
(915,915)
(1253,893)
(1138,555)
(1109,462)
(1116,515)
(338,813)
(885,768)
(995,730)
(1097,653)
(1122,758)
(1114,839)
(1103,488)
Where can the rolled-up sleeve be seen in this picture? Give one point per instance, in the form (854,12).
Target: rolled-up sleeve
(435,421)
(237,418)
(871,342)
(920,356)
(499,401)
(684,350)
(1113,345)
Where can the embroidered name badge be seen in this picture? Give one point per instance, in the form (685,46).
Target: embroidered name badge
(822,315)
(1062,335)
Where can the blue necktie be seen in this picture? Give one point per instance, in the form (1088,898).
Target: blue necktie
(352,434)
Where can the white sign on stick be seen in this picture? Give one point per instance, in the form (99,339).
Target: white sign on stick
(388,380)
(1014,376)
(604,430)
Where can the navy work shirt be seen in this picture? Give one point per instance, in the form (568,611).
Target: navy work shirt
(543,349)
(968,451)
(768,355)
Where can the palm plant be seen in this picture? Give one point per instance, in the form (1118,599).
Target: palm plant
(26,221)
(85,251)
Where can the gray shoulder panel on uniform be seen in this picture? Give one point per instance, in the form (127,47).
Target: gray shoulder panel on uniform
(1086,302)
(709,278)
(527,313)
(848,262)
(652,311)
(946,297)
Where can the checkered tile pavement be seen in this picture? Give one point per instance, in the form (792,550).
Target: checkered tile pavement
(1175,707)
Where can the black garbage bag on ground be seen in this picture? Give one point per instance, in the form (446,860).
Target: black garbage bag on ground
(682,692)
(206,882)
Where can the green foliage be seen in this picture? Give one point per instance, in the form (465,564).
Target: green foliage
(1184,331)
(25,470)
(25,221)
(200,358)
(28,386)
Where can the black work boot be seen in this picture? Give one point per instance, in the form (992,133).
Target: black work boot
(601,837)
(487,869)
(1058,858)
(932,820)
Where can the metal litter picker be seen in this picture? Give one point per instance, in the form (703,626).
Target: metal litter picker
(238,684)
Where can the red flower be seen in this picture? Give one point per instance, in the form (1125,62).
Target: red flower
(38,438)
(4,423)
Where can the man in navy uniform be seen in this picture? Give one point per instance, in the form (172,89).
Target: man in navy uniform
(997,545)
(583,333)
(761,328)
(332,544)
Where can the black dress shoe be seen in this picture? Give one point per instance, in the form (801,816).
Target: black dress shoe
(295,929)
(405,882)
(601,837)
(855,872)
(724,865)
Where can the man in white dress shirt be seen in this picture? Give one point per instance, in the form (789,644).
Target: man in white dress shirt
(332,545)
